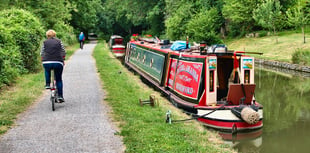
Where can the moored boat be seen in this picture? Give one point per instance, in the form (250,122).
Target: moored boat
(214,83)
(116,45)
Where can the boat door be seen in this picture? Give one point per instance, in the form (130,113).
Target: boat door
(247,70)
(211,80)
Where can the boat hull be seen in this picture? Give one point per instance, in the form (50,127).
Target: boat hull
(118,51)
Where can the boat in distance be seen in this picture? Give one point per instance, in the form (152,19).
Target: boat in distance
(116,46)
(212,82)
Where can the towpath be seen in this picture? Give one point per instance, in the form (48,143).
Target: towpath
(81,124)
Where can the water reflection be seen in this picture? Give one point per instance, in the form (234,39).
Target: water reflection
(286,101)
(247,140)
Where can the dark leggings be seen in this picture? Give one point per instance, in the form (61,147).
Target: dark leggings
(81,44)
(58,68)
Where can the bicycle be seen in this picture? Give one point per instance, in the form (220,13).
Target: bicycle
(54,92)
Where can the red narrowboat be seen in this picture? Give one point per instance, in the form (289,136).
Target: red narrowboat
(214,83)
(116,46)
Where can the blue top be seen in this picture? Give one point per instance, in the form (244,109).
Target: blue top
(81,37)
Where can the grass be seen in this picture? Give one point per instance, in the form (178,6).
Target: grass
(16,98)
(288,43)
(143,128)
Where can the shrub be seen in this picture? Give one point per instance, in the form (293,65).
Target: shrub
(27,32)
(262,33)
(10,58)
(203,26)
(65,32)
(301,56)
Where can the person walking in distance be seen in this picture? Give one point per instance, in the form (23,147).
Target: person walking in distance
(53,55)
(81,39)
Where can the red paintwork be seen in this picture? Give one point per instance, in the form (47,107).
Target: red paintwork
(228,125)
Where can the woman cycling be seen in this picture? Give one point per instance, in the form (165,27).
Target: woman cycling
(53,55)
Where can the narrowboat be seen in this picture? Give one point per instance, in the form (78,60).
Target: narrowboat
(116,46)
(212,82)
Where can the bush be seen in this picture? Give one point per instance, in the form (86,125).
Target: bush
(301,56)
(66,33)
(176,23)
(27,32)
(203,26)
(10,58)
(262,33)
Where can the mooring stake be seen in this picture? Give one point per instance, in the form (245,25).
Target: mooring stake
(151,101)
(168,117)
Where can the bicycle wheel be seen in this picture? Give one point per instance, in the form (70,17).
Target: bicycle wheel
(53,91)
(53,99)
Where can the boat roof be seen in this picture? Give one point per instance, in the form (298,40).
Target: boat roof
(192,51)
(116,36)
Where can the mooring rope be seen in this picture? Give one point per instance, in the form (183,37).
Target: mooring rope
(195,116)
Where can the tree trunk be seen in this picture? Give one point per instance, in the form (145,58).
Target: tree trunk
(275,33)
(303,33)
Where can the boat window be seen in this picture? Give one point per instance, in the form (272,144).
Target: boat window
(151,63)
(143,60)
(118,41)
(211,83)
(246,76)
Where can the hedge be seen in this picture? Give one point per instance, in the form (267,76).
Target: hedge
(27,32)
(21,34)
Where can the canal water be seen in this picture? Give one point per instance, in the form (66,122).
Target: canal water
(286,100)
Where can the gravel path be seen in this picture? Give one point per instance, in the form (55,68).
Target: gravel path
(81,124)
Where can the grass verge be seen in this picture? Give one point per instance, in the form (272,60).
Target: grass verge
(143,127)
(20,95)
(289,43)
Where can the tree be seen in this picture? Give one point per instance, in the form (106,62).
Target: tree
(84,15)
(239,12)
(203,26)
(269,15)
(176,22)
(298,17)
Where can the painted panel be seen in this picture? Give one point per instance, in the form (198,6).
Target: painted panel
(212,64)
(187,78)
(247,63)
(149,62)
(172,72)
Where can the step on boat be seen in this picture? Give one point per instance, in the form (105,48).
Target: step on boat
(212,82)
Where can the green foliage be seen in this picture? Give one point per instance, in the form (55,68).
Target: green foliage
(239,11)
(269,15)
(262,33)
(176,23)
(301,56)
(10,64)
(27,32)
(203,26)
(66,33)
(84,16)
(155,19)
(297,16)
(238,15)
(49,11)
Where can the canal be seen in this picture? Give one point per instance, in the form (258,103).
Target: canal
(286,100)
